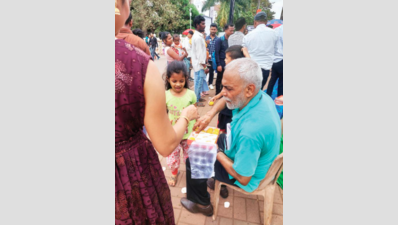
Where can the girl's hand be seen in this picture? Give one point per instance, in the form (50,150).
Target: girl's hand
(191,112)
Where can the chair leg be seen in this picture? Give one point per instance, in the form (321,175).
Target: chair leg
(217,198)
(269,193)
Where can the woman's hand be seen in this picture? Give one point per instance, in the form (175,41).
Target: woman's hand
(191,112)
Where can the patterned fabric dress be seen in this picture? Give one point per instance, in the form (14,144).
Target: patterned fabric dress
(142,195)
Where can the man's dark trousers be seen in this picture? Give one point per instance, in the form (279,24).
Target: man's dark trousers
(265,77)
(197,188)
(211,73)
(219,81)
(277,72)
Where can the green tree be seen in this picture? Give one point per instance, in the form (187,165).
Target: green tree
(155,14)
(243,8)
(162,15)
(184,6)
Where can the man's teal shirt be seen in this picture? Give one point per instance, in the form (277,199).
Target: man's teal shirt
(256,135)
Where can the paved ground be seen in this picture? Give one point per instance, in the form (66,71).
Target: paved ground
(243,209)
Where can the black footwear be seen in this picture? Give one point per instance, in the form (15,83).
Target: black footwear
(194,208)
(223,192)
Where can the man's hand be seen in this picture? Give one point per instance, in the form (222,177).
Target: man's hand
(227,163)
(202,123)
(213,99)
(208,41)
(245,52)
(219,68)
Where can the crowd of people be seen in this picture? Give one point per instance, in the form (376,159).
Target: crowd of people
(166,107)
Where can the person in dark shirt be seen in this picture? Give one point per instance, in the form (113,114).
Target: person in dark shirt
(221,46)
(153,43)
(211,40)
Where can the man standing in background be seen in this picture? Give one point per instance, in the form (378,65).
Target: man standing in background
(237,37)
(211,41)
(277,67)
(221,46)
(198,56)
(261,45)
(153,44)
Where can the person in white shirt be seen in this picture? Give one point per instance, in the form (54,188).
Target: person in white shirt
(277,67)
(198,57)
(187,44)
(261,44)
(237,37)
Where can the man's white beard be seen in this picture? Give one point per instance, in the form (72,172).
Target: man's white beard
(240,100)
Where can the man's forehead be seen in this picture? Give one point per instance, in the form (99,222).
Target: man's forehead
(232,77)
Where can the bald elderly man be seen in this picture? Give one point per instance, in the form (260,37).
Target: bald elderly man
(255,136)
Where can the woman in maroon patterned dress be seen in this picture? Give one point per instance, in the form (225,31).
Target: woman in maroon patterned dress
(142,195)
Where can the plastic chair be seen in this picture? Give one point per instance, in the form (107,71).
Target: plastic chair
(266,188)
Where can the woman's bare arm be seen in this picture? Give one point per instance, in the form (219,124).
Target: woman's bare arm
(174,55)
(164,136)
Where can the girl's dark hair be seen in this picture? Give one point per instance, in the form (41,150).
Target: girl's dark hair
(176,67)
(235,52)
(163,35)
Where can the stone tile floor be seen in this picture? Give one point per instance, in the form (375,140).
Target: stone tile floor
(243,210)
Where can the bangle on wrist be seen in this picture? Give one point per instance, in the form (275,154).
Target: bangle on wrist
(186,118)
